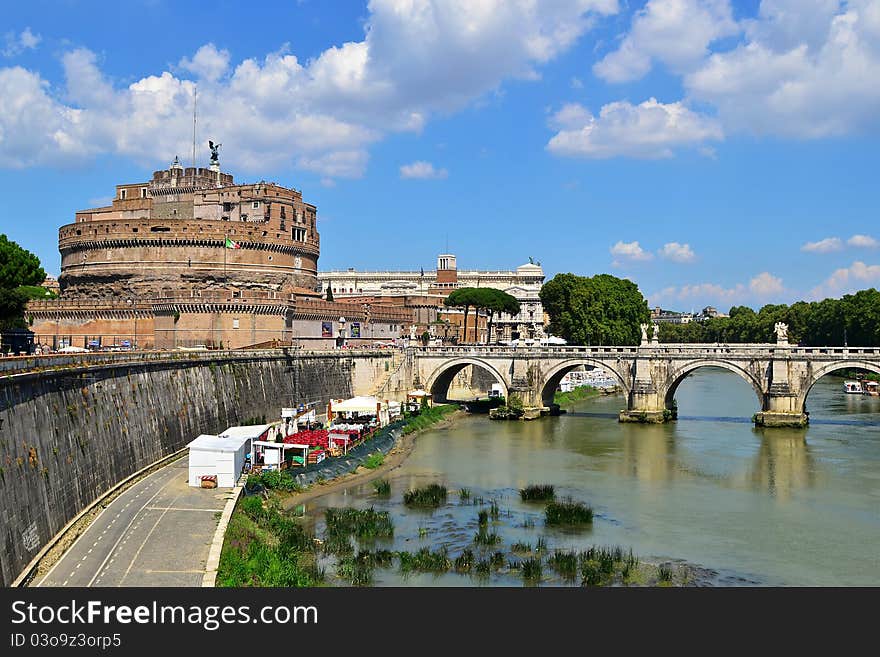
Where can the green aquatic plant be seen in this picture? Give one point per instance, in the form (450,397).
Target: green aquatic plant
(568,512)
(537,493)
(433,495)
(382,487)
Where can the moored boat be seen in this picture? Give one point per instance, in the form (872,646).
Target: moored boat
(853,387)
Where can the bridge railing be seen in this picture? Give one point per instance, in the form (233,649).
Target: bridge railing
(762,350)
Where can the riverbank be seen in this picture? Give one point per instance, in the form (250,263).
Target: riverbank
(575,395)
(393,458)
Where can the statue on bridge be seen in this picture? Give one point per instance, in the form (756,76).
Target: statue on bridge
(656,338)
(644,328)
(781,329)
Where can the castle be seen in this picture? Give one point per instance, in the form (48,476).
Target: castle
(193,258)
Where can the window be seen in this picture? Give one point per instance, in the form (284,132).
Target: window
(122,194)
(299,234)
(235,323)
(227,207)
(143,192)
(255,204)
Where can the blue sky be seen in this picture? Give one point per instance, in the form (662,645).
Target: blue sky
(715,151)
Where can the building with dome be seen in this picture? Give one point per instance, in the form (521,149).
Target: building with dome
(425,290)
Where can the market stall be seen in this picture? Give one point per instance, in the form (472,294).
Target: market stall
(222,458)
(273,456)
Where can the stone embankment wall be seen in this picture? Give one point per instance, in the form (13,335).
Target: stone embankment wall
(68,435)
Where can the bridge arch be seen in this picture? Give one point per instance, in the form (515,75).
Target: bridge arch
(440,379)
(675,378)
(555,374)
(829,368)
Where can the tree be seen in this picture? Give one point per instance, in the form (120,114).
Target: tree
(498,301)
(601,309)
(329,293)
(463,297)
(19,269)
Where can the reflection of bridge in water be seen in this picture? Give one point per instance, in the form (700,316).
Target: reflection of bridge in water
(780,374)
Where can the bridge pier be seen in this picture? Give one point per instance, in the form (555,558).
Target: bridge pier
(781,409)
(646,406)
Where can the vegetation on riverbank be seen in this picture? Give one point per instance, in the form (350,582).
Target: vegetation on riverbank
(427,417)
(265,547)
(575,395)
(854,320)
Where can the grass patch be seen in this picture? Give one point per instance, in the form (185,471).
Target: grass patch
(425,561)
(532,569)
(521,548)
(464,495)
(537,493)
(360,523)
(275,480)
(374,460)
(577,394)
(428,496)
(427,417)
(565,564)
(382,487)
(568,512)
(483,537)
(464,562)
(265,547)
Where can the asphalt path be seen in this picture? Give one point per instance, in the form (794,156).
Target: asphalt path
(156,533)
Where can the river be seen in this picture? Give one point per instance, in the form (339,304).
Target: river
(750,506)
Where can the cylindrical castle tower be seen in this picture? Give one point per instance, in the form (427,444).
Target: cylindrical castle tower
(191,229)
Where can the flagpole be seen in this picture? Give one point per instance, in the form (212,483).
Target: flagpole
(225,237)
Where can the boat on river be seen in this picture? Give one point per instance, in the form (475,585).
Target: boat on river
(853,387)
(871,388)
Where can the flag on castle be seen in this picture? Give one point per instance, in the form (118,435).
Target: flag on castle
(232,245)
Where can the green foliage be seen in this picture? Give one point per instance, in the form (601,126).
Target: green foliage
(532,569)
(18,266)
(275,480)
(374,460)
(568,512)
(329,293)
(576,394)
(537,493)
(853,319)
(382,487)
(264,547)
(432,495)
(483,298)
(601,309)
(361,523)
(427,417)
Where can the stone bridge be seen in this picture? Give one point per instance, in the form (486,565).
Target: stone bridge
(649,375)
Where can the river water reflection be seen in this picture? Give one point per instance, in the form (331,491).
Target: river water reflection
(775,507)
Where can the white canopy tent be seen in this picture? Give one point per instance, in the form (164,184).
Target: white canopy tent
(222,457)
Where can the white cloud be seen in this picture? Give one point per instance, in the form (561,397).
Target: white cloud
(827,245)
(417,58)
(863,241)
(15,44)
(675,32)
(649,130)
(677,252)
(766,285)
(700,295)
(800,73)
(208,63)
(576,83)
(847,280)
(630,251)
(422,170)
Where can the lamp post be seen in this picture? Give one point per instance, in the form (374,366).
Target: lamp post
(341,340)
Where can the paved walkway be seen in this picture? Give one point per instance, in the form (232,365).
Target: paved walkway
(156,533)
